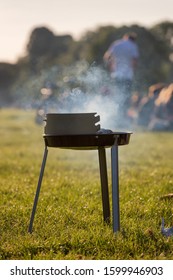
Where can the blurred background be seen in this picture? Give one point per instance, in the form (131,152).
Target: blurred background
(58,46)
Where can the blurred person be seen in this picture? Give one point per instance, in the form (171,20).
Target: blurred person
(121,60)
(162,119)
(146,105)
(132,111)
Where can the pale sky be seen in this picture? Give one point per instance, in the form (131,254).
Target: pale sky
(19,17)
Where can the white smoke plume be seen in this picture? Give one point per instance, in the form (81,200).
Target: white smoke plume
(96,93)
(81,88)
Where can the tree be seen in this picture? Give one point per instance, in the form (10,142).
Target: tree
(39,45)
(44,48)
(40,42)
(8,75)
(164,31)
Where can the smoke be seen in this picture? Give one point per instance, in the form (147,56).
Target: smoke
(96,92)
(79,88)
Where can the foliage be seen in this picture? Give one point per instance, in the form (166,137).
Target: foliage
(68,222)
(38,43)
(8,76)
(44,46)
(164,30)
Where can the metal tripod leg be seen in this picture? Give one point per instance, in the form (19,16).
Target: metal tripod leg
(104,184)
(38,189)
(115,189)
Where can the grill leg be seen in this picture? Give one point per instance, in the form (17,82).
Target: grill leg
(38,189)
(104,184)
(115,189)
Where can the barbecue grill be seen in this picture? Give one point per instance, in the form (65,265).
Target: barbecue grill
(81,131)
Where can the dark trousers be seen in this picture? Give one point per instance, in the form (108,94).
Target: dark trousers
(123,93)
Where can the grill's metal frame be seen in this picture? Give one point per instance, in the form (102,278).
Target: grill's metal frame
(119,138)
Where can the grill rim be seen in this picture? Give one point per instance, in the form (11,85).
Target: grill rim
(87,141)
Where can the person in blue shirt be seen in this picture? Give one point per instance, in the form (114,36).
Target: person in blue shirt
(121,59)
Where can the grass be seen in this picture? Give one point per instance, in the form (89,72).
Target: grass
(68,222)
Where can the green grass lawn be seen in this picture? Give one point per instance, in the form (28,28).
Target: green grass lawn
(68,222)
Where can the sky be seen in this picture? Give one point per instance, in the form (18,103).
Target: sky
(18,18)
